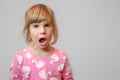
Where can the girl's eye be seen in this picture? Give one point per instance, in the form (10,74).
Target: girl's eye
(35,26)
(47,25)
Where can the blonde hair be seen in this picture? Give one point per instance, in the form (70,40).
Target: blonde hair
(38,13)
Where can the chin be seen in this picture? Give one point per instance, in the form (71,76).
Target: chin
(44,47)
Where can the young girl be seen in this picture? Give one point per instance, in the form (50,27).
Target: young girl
(40,60)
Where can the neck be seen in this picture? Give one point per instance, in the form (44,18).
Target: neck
(41,51)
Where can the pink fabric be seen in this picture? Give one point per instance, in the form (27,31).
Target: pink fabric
(26,66)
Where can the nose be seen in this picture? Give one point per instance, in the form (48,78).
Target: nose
(42,30)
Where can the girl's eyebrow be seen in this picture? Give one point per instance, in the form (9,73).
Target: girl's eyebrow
(35,23)
(46,21)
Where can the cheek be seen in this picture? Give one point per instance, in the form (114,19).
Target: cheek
(33,36)
(50,33)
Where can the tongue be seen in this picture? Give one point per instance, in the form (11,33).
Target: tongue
(41,40)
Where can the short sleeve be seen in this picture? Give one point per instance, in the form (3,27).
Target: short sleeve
(15,69)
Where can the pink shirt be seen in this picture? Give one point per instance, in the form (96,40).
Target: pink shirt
(26,66)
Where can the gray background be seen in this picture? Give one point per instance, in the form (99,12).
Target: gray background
(89,33)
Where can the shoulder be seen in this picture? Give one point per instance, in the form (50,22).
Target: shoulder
(61,53)
(18,57)
(21,52)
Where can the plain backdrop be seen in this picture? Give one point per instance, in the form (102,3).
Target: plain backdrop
(89,32)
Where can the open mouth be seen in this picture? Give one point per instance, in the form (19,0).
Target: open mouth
(42,40)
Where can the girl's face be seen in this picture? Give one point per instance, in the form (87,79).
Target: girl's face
(41,33)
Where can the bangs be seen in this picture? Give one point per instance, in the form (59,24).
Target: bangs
(38,14)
